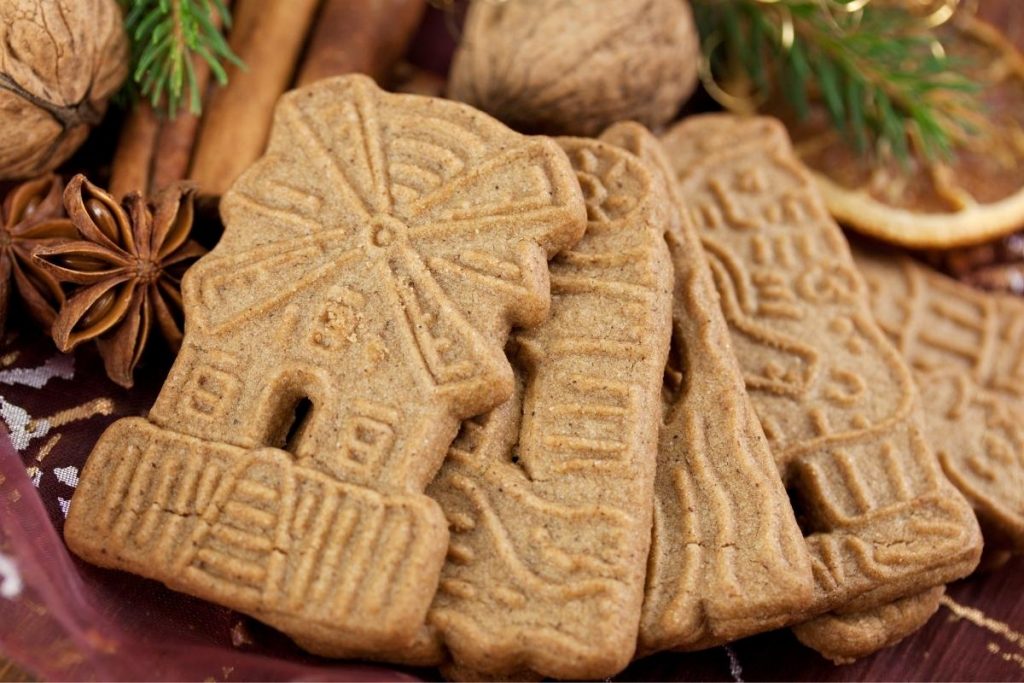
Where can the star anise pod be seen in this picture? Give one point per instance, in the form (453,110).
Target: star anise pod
(33,215)
(125,271)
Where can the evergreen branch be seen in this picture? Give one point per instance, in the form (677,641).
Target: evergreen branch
(877,72)
(167,36)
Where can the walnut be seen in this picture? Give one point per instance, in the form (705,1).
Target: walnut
(60,60)
(576,66)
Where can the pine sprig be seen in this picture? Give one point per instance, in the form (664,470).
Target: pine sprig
(879,72)
(166,37)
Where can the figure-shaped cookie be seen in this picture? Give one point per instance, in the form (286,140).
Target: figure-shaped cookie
(834,398)
(355,310)
(964,347)
(549,497)
(967,351)
(727,557)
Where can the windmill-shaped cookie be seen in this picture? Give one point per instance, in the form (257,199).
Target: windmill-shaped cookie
(355,310)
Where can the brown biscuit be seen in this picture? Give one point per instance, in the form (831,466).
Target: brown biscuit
(355,310)
(727,557)
(967,351)
(964,347)
(834,398)
(549,496)
(844,638)
(575,66)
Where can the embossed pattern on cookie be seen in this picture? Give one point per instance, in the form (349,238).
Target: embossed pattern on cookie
(967,351)
(355,310)
(834,398)
(727,557)
(549,496)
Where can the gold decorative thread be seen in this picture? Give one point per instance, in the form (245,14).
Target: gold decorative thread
(47,447)
(850,7)
(98,406)
(851,13)
(8,358)
(787,31)
(745,104)
(943,13)
(980,619)
(1006,656)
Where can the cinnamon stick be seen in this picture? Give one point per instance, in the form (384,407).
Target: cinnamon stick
(130,170)
(174,146)
(153,150)
(268,36)
(364,36)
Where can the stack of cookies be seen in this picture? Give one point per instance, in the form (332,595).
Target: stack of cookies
(527,407)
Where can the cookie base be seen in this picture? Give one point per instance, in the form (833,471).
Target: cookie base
(338,567)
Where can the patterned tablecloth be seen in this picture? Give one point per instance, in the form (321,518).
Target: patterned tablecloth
(62,619)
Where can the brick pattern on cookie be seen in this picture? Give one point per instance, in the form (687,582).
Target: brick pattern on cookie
(549,496)
(967,351)
(354,312)
(834,397)
(727,557)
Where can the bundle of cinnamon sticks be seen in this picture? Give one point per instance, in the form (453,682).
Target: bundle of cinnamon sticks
(283,43)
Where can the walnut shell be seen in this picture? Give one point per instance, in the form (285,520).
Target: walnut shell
(60,60)
(577,66)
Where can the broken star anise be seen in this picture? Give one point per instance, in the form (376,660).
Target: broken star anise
(125,270)
(33,215)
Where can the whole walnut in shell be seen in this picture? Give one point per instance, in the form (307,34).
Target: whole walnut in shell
(60,60)
(576,66)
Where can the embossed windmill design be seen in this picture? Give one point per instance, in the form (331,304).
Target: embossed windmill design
(355,310)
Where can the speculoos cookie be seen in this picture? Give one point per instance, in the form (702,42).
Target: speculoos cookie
(966,348)
(834,397)
(727,557)
(549,496)
(355,311)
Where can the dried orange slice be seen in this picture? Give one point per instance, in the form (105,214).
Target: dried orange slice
(975,196)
